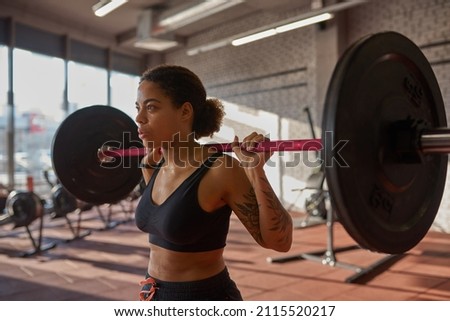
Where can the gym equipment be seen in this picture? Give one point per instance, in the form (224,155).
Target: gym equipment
(74,154)
(315,202)
(65,203)
(384,145)
(384,100)
(22,209)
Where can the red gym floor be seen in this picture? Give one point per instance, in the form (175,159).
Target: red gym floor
(108,263)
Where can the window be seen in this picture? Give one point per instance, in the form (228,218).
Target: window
(88,86)
(39,106)
(123,92)
(4,66)
(38,84)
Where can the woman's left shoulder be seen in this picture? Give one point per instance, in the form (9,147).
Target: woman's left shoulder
(227,168)
(225,163)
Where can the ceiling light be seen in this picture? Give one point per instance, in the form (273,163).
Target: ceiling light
(155,44)
(208,47)
(304,22)
(254,37)
(104,7)
(283,28)
(172,20)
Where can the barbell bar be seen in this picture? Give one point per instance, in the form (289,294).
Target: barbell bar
(383,101)
(431,141)
(105,152)
(435,141)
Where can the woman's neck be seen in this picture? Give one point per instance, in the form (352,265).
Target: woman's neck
(187,153)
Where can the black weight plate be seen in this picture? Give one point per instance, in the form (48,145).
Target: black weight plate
(74,154)
(386,204)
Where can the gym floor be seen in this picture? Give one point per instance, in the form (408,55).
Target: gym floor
(108,263)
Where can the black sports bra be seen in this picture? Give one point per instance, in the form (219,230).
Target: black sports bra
(179,223)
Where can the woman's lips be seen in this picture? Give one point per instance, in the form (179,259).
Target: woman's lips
(141,134)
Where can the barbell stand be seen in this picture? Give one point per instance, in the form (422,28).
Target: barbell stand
(328,256)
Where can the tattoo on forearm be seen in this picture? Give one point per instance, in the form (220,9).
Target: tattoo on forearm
(249,211)
(249,214)
(280,222)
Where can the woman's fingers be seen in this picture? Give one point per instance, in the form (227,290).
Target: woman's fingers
(247,152)
(251,142)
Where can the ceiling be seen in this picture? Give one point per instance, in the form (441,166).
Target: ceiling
(119,28)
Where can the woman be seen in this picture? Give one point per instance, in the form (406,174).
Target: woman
(192,190)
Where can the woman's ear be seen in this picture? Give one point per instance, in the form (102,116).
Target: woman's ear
(187,111)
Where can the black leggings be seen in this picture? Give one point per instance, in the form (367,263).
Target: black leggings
(216,288)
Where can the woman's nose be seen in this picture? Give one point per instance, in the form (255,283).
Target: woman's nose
(140,117)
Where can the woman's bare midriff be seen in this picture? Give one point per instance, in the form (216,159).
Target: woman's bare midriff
(167,265)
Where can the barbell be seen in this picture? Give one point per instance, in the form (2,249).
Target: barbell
(384,109)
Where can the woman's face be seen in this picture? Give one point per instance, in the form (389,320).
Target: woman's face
(159,121)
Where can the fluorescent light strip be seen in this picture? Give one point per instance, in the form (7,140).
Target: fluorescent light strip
(188,13)
(208,47)
(102,8)
(254,37)
(202,10)
(284,28)
(304,22)
(155,44)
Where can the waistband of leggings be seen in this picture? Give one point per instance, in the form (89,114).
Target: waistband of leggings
(218,279)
